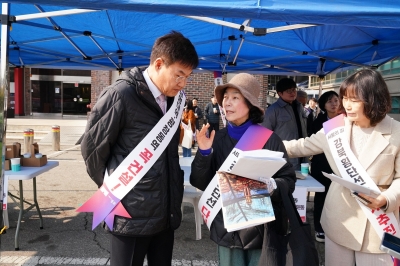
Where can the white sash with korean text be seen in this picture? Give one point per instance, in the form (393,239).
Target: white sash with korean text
(145,154)
(351,170)
(105,204)
(210,203)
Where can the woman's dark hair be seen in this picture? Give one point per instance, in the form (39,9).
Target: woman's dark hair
(325,98)
(189,105)
(255,114)
(368,86)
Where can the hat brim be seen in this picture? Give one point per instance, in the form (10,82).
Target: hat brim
(219,95)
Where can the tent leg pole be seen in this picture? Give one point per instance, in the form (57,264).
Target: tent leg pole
(5,30)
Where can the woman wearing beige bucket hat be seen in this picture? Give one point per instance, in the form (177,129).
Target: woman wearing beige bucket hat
(239,99)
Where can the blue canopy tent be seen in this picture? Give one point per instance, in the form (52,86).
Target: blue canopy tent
(270,37)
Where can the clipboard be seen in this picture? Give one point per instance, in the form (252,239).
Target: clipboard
(391,245)
(353,186)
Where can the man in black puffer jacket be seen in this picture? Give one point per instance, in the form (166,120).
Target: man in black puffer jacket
(122,117)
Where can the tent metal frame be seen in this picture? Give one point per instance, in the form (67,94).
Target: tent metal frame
(244,27)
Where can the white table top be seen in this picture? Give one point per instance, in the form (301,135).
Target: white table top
(309,182)
(30,172)
(186,161)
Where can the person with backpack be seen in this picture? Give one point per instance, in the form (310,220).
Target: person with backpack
(124,115)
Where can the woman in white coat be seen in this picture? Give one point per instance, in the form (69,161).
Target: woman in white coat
(374,139)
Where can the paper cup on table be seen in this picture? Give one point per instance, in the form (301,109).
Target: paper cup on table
(304,169)
(15,164)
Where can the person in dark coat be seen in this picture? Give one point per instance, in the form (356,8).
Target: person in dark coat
(123,116)
(212,114)
(286,116)
(314,111)
(239,99)
(329,104)
(197,112)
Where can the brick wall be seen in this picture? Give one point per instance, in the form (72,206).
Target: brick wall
(201,87)
(100,80)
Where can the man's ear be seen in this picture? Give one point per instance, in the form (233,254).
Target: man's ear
(280,94)
(158,63)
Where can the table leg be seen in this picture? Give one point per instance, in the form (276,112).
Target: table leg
(5,218)
(21,212)
(36,203)
(5,212)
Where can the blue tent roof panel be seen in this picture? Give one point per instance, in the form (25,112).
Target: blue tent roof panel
(121,33)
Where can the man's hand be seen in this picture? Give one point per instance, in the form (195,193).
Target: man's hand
(203,141)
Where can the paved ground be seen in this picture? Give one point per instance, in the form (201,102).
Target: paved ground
(67,238)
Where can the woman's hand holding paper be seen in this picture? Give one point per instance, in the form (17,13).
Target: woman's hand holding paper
(376,203)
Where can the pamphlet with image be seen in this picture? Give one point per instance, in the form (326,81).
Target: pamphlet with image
(245,202)
(245,188)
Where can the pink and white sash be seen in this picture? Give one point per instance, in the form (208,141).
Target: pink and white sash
(210,204)
(105,203)
(351,170)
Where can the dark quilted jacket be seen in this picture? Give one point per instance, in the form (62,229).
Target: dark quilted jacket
(203,170)
(123,115)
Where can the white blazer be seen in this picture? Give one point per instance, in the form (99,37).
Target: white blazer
(343,221)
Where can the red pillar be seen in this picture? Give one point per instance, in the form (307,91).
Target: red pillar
(19,91)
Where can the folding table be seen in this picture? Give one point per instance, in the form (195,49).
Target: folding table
(25,173)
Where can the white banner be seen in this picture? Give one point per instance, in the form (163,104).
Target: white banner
(218,81)
(300,198)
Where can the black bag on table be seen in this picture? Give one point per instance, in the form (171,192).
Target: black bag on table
(297,248)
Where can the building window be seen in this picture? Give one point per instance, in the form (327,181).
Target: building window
(79,73)
(395,105)
(43,71)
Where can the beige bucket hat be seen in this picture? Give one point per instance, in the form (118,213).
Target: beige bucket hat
(248,86)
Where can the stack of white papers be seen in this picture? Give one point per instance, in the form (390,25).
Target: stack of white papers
(258,164)
(353,186)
